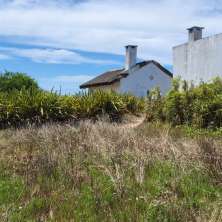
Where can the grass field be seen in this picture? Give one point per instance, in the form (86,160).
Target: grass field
(104,172)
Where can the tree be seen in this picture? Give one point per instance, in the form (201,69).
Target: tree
(10,81)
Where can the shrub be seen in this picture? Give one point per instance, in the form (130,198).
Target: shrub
(154,110)
(35,106)
(10,81)
(199,106)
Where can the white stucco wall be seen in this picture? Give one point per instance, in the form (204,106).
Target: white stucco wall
(139,81)
(199,60)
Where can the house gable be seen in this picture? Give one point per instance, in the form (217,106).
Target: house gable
(111,77)
(142,80)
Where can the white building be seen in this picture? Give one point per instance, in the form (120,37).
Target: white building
(136,78)
(199,58)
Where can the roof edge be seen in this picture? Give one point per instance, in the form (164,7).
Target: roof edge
(165,70)
(162,68)
(84,86)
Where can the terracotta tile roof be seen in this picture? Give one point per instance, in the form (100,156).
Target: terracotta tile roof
(110,77)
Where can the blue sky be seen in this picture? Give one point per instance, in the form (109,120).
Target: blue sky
(63,43)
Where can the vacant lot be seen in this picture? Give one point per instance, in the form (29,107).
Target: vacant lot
(104,172)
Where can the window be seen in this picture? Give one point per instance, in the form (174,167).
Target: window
(151,77)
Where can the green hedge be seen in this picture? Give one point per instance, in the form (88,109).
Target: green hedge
(199,106)
(37,106)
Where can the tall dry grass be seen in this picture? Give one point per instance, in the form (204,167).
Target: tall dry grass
(56,158)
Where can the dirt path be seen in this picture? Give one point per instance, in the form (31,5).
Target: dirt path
(133,123)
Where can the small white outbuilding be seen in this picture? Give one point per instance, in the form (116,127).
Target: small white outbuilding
(136,78)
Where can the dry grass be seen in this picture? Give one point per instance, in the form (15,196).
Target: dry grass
(136,174)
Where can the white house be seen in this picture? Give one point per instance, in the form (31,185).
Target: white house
(199,58)
(136,78)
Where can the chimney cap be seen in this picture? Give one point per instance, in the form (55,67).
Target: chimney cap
(195,27)
(131,46)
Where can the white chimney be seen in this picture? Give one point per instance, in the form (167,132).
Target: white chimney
(131,56)
(195,33)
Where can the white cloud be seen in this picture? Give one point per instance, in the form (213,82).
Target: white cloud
(3,57)
(106,26)
(53,56)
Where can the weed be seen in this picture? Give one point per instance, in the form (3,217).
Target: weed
(102,172)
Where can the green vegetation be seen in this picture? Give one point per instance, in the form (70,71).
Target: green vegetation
(100,172)
(10,81)
(37,106)
(199,107)
(22,103)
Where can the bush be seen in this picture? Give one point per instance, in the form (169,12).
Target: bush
(199,106)
(10,81)
(155,104)
(35,106)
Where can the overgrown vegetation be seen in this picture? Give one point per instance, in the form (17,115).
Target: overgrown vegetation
(199,107)
(37,106)
(22,103)
(100,172)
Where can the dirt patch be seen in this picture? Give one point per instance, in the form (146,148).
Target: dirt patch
(131,122)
